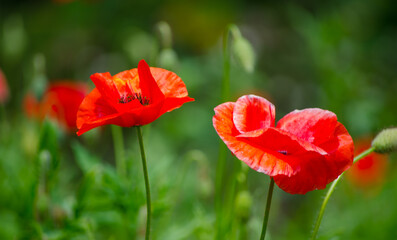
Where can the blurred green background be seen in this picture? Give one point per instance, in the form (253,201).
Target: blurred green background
(336,55)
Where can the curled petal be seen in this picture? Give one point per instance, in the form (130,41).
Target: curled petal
(273,139)
(268,162)
(252,112)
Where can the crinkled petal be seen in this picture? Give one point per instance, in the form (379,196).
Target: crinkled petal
(252,112)
(313,124)
(268,162)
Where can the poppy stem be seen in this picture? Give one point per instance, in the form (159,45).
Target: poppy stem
(119,155)
(225,92)
(147,186)
(225,95)
(267,210)
(331,190)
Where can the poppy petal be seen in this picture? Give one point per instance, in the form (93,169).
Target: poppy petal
(106,86)
(341,149)
(90,117)
(93,107)
(312,124)
(273,139)
(147,83)
(313,174)
(170,84)
(174,103)
(254,156)
(317,171)
(131,78)
(252,112)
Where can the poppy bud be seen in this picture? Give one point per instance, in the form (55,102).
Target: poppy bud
(168,59)
(244,53)
(243,205)
(385,141)
(165,34)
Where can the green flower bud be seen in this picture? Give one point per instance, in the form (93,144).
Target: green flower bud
(168,59)
(244,52)
(385,141)
(165,34)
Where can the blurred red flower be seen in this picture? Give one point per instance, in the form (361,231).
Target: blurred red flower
(3,88)
(305,151)
(369,172)
(131,98)
(60,101)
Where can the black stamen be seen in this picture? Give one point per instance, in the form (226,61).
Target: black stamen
(128,98)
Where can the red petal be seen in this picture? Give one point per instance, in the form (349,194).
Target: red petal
(106,86)
(313,174)
(174,103)
(252,112)
(147,83)
(254,156)
(170,84)
(131,78)
(95,111)
(65,98)
(313,124)
(276,140)
(317,171)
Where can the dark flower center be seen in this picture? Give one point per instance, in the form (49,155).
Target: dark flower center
(128,98)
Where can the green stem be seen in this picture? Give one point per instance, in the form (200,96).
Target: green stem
(363,154)
(145,173)
(225,92)
(119,154)
(232,30)
(268,204)
(226,66)
(331,190)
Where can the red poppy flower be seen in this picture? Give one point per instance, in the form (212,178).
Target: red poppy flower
(306,150)
(60,101)
(3,88)
(369,172)
(131,98)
